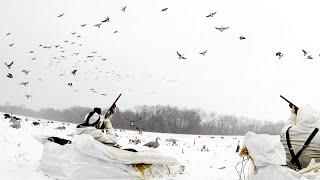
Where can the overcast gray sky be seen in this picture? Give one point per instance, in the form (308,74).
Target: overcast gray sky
(237,77)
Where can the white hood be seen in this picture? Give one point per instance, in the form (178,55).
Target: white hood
(308,117)
(265,149)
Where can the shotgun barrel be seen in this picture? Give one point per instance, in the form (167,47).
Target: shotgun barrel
(290,104)
(109,112)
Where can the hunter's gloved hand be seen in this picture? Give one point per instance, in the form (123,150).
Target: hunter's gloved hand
(293,115)
(113,109)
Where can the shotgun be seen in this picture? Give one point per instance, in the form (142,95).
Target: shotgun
(290,104)
(110,111)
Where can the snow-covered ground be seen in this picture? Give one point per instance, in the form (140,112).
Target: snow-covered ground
(20,152)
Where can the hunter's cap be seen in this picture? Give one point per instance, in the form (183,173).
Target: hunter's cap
(97,110)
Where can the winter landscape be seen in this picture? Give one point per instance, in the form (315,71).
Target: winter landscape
(21,152)
(159,89)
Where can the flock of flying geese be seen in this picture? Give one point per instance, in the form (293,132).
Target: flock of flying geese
(221,29)
(61,57)
(94,54)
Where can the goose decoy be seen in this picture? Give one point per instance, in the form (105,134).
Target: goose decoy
(204,148)
(35,123)
(153,144)
(135,141)
(238,147)
(174,143)
(139,129)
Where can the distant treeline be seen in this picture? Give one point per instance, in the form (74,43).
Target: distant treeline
(166,119)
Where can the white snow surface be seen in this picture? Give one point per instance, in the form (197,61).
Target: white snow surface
(20,151)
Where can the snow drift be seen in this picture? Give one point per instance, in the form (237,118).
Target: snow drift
(87,158)
(21,153)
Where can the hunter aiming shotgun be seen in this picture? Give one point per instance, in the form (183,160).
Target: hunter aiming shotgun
(109,112)
(290,104)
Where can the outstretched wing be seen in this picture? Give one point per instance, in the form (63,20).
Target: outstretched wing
(211,14)
(60,15)
(225,28)
(304,52)
(164,9)
(203,52)
(9,65)
(179,54)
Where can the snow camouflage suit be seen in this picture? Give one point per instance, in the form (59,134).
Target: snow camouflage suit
(99,127)
(307,120)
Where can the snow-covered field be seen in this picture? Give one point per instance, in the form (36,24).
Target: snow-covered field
(20,152)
